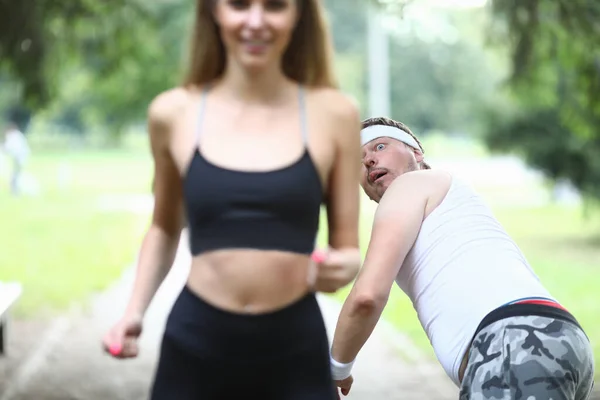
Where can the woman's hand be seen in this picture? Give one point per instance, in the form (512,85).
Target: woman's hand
(334,268)
(121,340)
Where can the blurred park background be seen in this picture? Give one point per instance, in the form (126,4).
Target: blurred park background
(506,93)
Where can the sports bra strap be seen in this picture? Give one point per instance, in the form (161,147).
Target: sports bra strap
(303,122)
(201,108)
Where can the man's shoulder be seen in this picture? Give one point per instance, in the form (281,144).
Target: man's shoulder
(427,182)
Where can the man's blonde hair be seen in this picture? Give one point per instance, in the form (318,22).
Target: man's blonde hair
(395,124)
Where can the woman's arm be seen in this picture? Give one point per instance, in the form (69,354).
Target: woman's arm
(344,189)
(342,261)
(160,242)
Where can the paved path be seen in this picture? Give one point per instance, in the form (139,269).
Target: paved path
(64,361)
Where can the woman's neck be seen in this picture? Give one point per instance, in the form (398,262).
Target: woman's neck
(265,86)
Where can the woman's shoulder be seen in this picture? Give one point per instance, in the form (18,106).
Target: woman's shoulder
(170,103)
(337,105)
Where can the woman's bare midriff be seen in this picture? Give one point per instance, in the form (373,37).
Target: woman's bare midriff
(249,281)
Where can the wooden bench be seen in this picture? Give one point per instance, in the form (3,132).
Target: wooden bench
(9,294)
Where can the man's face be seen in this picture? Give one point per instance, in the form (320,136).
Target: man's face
(383,160)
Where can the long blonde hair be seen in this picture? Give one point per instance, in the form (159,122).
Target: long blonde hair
(308,58)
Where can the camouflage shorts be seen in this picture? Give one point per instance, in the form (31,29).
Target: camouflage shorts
(529,358)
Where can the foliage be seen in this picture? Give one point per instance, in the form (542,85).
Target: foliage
(152,65)
(89,63)
(552,112)
(441,79)
(555,46)
(348,23)
(547,144)
(555,88)
(38,37)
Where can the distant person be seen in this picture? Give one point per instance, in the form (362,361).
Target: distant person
(17,148)
(248,149)
(495,328)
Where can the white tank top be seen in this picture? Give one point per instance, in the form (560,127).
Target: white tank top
(462,266)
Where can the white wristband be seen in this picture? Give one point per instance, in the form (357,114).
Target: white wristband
(340,371)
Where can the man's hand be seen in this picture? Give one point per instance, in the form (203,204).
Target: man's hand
(345,385)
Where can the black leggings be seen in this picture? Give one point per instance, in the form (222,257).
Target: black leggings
(211,354)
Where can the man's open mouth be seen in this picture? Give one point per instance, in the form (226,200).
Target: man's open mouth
(376,175)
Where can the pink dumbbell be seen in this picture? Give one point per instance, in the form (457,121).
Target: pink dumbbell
(115,349)
(318,256)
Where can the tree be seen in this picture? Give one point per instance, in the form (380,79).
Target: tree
(87,62)
(554,121)
(441,78)
(139,67)
(555,48)
(37,38)
(546,144)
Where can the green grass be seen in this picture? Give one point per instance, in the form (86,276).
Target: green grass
(564,249)
(62,244)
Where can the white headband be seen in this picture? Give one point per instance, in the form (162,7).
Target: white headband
(376,131)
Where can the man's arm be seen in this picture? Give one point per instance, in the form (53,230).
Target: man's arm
(395,228)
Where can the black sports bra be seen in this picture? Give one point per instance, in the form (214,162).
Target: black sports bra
(271,210)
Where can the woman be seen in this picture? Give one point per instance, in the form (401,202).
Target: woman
(248,149)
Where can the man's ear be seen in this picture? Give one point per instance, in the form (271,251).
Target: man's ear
(418,155)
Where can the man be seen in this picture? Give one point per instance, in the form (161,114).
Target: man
(15,144)
(495,329)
